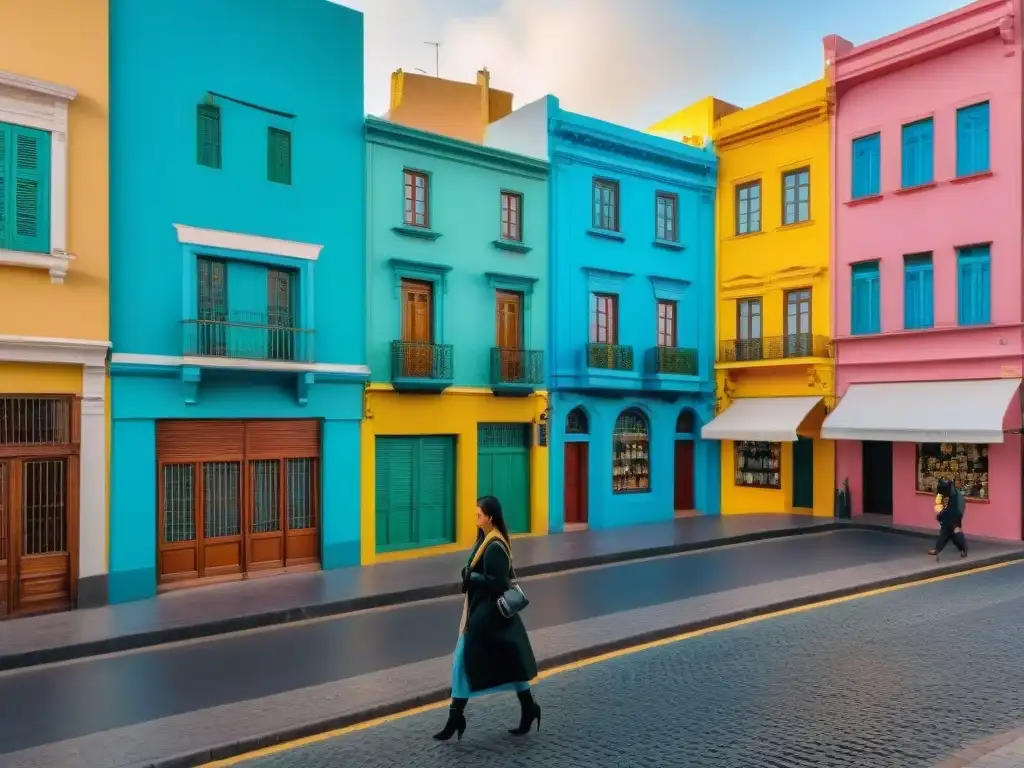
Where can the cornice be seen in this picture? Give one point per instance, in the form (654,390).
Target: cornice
(38,87)
(801,116)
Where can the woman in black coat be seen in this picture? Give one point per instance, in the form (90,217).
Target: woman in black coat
(493,653)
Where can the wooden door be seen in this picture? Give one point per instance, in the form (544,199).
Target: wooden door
(510,335)
(417,328)
(576,482)
(503,470)
(803,473)
(684,475)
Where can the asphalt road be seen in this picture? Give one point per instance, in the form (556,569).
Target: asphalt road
(900,680)
(49,704)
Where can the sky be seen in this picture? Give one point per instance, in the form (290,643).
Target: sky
(628,61)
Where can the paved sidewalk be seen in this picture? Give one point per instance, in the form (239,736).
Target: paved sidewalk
(213,610)
(1003,751)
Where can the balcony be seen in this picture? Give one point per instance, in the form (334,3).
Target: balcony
(516,371)
(421,366)
(243,336)
(672,361)
(788,347)
(610,357)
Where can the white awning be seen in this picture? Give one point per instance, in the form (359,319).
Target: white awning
(772,419)
(923,412)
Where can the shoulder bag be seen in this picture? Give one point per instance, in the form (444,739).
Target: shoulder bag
(513,600)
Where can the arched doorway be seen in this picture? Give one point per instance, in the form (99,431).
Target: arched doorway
(576,466)
(684,461)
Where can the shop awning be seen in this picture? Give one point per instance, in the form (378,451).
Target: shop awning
(923,412)
(772,419)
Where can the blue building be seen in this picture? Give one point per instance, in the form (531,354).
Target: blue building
(237,290)
(632,317)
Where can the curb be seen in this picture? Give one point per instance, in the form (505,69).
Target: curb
(277,617)
(440,694)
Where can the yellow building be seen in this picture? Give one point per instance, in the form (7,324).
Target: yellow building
(774,367)
(53,304)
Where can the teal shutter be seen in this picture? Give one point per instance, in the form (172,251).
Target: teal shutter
(865,304)
(5,143)
(28,213)
(435,486)
(974,286)
(918,153)
(918,292)
(279,156)
(866,172)
(208,135)
(503,470)
(393,492)
(972,139)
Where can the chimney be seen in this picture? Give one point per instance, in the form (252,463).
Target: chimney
(483,82)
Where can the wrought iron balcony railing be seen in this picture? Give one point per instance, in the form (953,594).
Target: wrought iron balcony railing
(422,360)
(774,348)
(249,336)
(672,360)
(612,357)
(516,367)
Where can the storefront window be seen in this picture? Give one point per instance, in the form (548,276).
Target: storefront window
(631,453)
(966,464)
(757,464)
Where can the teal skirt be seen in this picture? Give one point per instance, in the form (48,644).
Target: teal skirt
(460,681)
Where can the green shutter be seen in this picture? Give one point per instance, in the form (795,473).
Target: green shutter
(208,135)
(503,470)
(5,142)
(28,219)
(279,156)
(393,478)
(435,496)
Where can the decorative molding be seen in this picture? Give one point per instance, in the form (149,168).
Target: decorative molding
(787,276)
(606,165)
(511,245)
(38,87)
(419,270)
(668,287)
(664,152)
(237,241)
(420,233)
(794,118)
(176,361)
(500,280)
(55,263)
(668,245)
(606,234)
(41,349)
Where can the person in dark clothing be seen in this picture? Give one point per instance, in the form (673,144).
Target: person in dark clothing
(949,506)
(493,653)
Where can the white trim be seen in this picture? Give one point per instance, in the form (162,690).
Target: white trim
(42,349)
(237,363)
(92,504)
(236,241)
(39,104)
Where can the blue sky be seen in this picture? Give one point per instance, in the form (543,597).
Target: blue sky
(631,61)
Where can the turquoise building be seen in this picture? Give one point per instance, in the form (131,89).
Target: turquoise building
(237,301)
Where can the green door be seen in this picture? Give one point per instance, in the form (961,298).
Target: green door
(503,470)
(803,473)
(415,492)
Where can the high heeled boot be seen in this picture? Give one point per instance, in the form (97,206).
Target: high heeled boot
(530,711)
(456,721)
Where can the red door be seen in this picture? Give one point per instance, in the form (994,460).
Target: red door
(684,475)
(576,467)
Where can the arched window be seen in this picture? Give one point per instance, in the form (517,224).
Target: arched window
(576,422)
(631,453)
(684,423)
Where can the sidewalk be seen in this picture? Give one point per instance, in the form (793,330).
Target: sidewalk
(1003,751)
(213,610)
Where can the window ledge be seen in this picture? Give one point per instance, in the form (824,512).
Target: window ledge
(420,233)
(668,245)
(745,235)
(915,188)
(970,177)
(606,234)
(863,200)
(795,225)
(56,263)
(511,245)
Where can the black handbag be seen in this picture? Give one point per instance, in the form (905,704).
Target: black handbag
(513,600)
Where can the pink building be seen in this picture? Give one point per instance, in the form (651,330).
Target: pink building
(927,262)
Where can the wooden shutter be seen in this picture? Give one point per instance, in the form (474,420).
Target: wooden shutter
(30,227)
(279,156)
(393,477)
(208,145)
(5,143)
(187,441)
(433,485)
(275,439)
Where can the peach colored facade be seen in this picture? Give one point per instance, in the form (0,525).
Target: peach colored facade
(931,70)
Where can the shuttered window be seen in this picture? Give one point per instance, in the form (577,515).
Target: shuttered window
(414,493)
(918,153)
(918,291)
(972,139)
(865,306)
(974,285)
(24,189)
(208,150)
(279,156)
(867,166)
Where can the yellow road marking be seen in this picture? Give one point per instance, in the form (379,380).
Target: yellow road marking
(289,746)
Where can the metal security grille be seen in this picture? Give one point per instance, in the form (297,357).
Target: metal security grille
(35,420)
(576,422)
(502,435)
(299,483)
(265,512)
(221,509)
(44,507)
(179,503)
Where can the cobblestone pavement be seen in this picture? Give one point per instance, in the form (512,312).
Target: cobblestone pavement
(900,680)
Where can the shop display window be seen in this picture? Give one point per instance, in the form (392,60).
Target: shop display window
(966,464)
(631,453)
(758,464)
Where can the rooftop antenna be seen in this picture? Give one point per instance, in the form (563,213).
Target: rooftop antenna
(437,57)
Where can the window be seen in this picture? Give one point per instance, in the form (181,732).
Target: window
(965,464)
(666,323)
(798,323)
(212,320)
(208,151)
(511,216)
(865,305)
(918,291)
(748,329)
(631,453)
(666,216)
(796,196)
(867,166)
(24,189)
(973,285)
(604,321)
(576,423)
(417,199)
(757,464)
(606,205)
(918,153)
(282,336)
(748,208)
(972,139)
(279,156)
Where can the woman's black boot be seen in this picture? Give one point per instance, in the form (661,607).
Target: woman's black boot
(530,711)
(456,721)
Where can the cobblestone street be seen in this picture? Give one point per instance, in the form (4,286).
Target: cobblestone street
(900,680)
